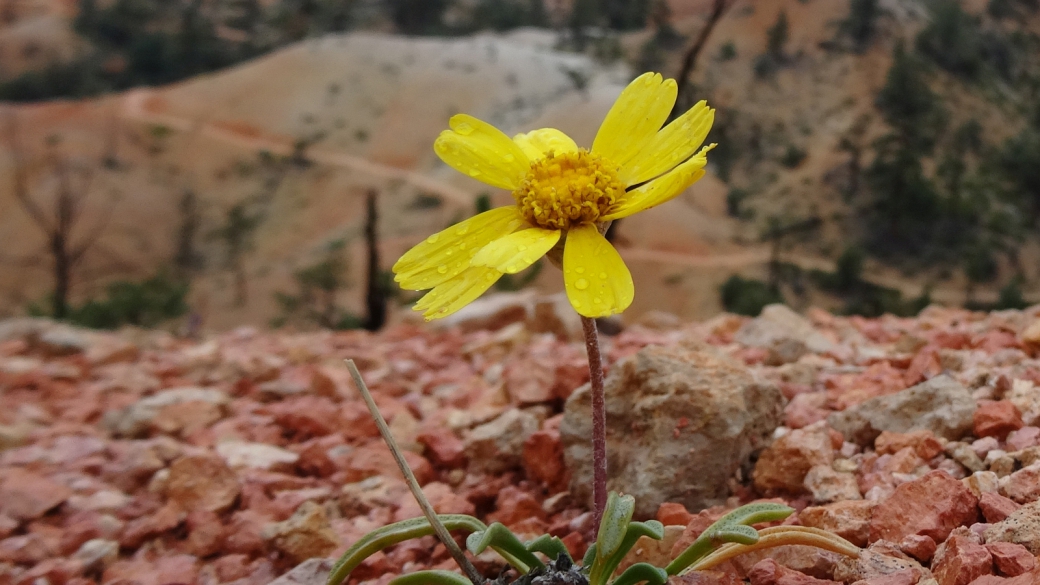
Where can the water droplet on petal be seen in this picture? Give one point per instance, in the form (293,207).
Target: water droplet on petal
(509,158)
(461,230)
(597,301)
(464,128)
(521,248)
(580,270)
(602,274)
(581,284)
(473,172)
(442,269)
(433,239)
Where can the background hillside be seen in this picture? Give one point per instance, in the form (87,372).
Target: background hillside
(215,157)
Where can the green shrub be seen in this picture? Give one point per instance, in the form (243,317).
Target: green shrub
(861,22)
(747,296)
(793,156)
(952,39)
(144,303)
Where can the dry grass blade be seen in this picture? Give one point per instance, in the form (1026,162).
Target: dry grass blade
(779,536)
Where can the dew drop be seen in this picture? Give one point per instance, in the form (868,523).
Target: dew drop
(581,284)
(461,230)
(603,275)
(521,248)
(433,239)
(597,301)
(442,269)
(464,128)
(509,158)
(580,270)
(473,172)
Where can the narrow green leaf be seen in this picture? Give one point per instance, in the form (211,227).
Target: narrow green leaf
(726,529)
(640,572)
(549,546)
(391,534)
(428,577)
(505,543)
(603,568)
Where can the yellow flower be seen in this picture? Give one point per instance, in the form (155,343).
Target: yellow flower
(561,191)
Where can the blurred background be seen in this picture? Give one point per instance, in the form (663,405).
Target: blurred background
(212,163)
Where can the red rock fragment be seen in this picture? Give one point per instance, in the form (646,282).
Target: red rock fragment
(202,481)
(1023,486)
(937,502)
(996,418)
(1011,559)
(529,382)
(176,569)
(575,544)
(137,531)
(1023,438)
(849,519)
(707,578)
(924,443)
(244,533)
(673,514)
(903,577)
(542,458)
(205,532)
(960,561)
(783,465)
(514,505)
(996,507)
(307,416)
(231,567)
(769,572)
(443,447)
(25,495)
(26,549)
(920,547)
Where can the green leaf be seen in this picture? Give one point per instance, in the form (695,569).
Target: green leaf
(506,544)
(549,546)
(603,568)
(733,527)
(590,556)
(428,577)
(642,572)
(614,524)
(391,534)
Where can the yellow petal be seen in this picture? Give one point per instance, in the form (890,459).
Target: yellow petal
(517,251)
(663,188)
(675,143)
(479,150)
(445,254)
(597,281)
(537,143)
(635,118)
(456,293)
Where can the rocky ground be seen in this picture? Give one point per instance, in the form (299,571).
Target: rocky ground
(137,457)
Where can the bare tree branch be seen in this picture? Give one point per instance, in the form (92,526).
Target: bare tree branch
(689,60)
(21,191)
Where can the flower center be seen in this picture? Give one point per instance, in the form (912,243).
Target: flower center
(568,189)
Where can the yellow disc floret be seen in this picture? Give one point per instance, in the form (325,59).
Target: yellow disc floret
(568,189)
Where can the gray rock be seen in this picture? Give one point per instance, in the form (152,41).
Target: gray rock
(1021,527)
(97,554)
(497,446)
(309,572)
(680,422)
(136,419)
(941,405)
(785,332)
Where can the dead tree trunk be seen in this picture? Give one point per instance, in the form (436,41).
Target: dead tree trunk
(375,297)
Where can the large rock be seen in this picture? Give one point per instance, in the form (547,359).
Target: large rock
(680,422)
(940,405)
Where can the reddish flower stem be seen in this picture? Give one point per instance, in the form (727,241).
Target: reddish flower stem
(599,418)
